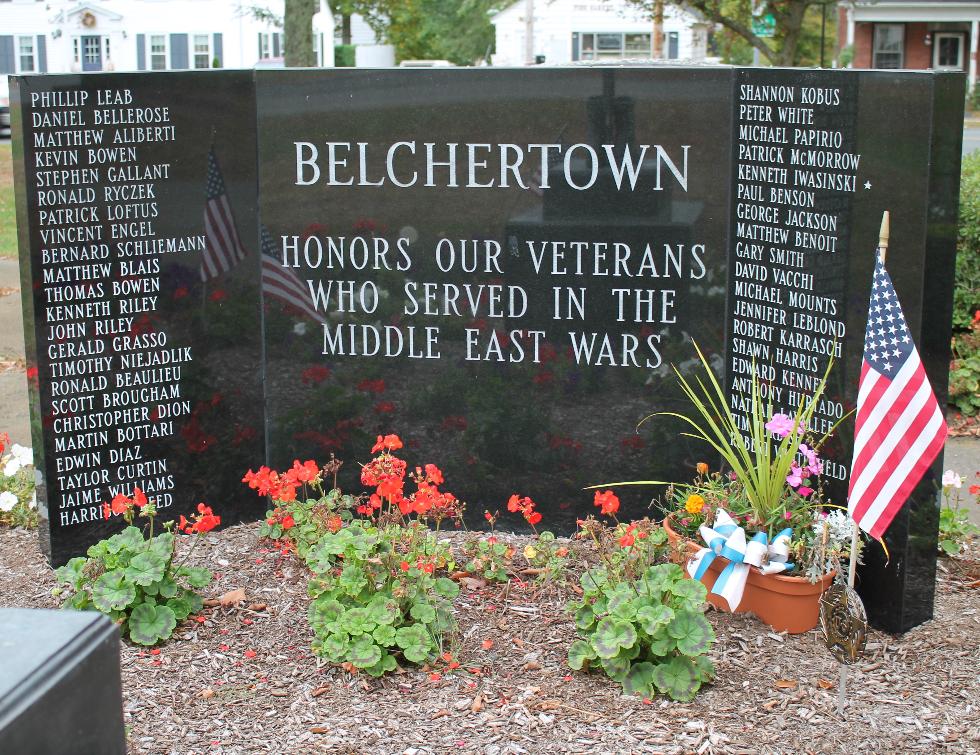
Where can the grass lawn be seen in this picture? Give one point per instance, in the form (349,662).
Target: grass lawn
(8,219)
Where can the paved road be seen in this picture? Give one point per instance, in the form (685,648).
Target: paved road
(971,139)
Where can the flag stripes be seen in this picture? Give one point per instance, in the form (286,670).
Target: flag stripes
(283,284)
(222,248)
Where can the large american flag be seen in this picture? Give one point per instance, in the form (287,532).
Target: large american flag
(899,428)
(223,249)
(282,282)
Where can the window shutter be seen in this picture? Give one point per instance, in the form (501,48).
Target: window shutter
(275,45)
(575,46)
(42,53)
(141,52)
(178,51)
(219,50)
(258,55)
(7,54)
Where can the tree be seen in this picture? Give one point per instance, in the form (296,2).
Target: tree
(735,16)
(298,28)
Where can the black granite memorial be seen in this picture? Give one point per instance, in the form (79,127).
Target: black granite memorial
(500,266)
(60,690)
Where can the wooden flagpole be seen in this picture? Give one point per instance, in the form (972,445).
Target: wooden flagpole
(852,566)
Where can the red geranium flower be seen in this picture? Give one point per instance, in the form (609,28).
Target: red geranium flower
(607,502)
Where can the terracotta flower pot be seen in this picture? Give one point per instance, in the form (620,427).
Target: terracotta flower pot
(787,604)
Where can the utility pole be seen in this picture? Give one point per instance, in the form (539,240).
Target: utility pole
(529,32)
(657,50)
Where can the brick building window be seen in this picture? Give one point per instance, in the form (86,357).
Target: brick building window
(889,46)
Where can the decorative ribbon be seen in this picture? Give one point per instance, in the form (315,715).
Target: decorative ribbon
(727,540)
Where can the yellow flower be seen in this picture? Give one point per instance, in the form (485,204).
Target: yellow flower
(694,504)
(530,552)
(702,468)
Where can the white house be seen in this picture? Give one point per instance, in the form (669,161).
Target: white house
(64,36)
(567,31)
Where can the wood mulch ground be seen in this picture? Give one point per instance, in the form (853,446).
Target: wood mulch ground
(242,679)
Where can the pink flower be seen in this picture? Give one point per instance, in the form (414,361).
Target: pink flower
(795,476)
(787,515)
(804,491)
(780,425)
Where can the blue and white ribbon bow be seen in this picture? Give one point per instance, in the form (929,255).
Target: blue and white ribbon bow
(726,539)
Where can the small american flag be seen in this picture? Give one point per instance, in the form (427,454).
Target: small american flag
(900,428)
(223,249)
(282,282)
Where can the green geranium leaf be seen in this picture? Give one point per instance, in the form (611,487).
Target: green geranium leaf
(584,618)
(446,588)
(677,678)
(950,547)
(148,624)
(72,572)
(383,609)
(324,614)
(593,580)
(112,591)
(692,631)
(620,602)
(384,635)
(384,666)
(352,579)
(129,539)
(167,588)
(414,642)
(146,568)
(181,605)
(639,680)
(616,668)
(358,621)
(423,612)
(661,643)
(580,653)
(612,635)
(163,545)
(691,590)
(653,617)
(364,653)
(661,577)
(705,668)
(196,576)
(334,647)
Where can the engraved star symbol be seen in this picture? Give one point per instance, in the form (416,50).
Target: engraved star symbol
(867,184)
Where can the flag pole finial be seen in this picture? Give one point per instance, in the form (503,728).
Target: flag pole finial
(883,235)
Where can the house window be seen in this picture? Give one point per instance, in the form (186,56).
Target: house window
(158,52)
(947,51)
(271,44)
(202,50)
(889,46)
(25,55)
(76,51)
(606,45)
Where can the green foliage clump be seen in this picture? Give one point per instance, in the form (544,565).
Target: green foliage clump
(649,634)
(135,582)
(966,295)
(344,56)
(376,596)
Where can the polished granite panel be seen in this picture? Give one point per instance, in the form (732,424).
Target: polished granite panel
(141,373)
(511,395)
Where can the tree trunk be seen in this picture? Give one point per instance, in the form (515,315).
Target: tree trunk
(657,51)
(345,29)
(298,25)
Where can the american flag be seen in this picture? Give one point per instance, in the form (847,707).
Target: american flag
(223,249)
(282,282)
(899,428)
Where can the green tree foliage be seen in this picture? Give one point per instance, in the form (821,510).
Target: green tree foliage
(797,37)
(455,30)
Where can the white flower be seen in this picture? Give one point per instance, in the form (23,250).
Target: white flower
(951,479)
(299,328)
(7,500)
(33,503)
(12,467)
(838,526)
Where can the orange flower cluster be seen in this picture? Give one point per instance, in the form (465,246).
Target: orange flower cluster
(122,504)
(282,487)
(607,501)
(631,536)
(525,506)
(386,474)
(203,521)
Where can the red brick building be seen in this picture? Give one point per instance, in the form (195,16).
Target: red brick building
(916,34)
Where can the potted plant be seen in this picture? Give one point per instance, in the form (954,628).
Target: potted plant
(760,534)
